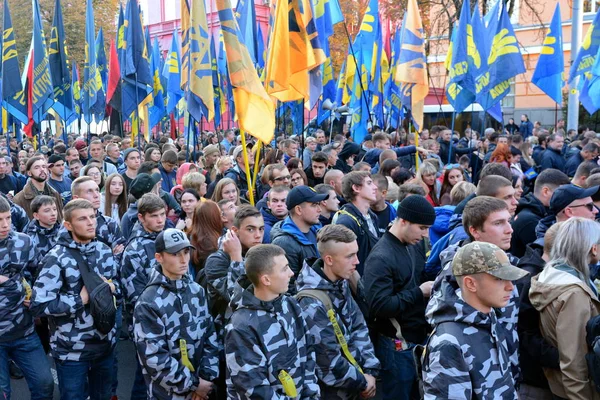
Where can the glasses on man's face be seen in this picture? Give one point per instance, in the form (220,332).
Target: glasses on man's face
(282,178)
(589,206)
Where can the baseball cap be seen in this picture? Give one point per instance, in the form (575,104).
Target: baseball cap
(566,194)
(210,149)
(238,150)
(477,257)
(143,183)
(171,241)
(80,144)
(53,159)
(304,194)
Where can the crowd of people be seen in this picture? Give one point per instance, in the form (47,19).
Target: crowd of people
(452,265)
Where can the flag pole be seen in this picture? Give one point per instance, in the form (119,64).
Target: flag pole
(362,90)
(137,104)
(256,158)
(187,144)
(247,167)
(452,134)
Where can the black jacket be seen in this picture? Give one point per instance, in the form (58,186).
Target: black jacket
(529,212)
(391,281)
(572,164)
(312,181)
(552,159)
(535,351)
(446,148)
(353,219)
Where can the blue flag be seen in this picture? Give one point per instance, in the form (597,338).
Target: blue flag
(218,92)
(76,86)
(91,76)
(393,89)
(172,72)
(588,50)
(100,107)
(59,68)
(548,74)
(260,46)
(135,70)
(13,96)
(157,111)
(43,92)
(461,88)
(245,14)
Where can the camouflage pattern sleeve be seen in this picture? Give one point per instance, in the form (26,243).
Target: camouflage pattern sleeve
(217,271)
(133,272)
(236,269)
(332,367)
(48,298)
(154,353)
(209,364)
(360,341)
(445,372)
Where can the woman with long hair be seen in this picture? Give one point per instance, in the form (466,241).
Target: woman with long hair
(96,174)
(294,163)
(189,199)
(274,156)
(226,189)
(453,174)
(426,176)
(502,155)
(152,154)
(206,228)
(114,200)
(567,299)
(299,178)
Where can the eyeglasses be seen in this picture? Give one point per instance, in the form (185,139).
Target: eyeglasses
(589,206)
(282,178)
(93,174)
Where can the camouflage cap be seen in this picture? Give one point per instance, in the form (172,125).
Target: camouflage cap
(477,257)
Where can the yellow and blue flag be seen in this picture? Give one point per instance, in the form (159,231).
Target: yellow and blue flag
(13,95)
(172,72)
(504,63)
(461,88)
(255,110)
(586,56)
(411,73)
(245,14)
(101,61)
(91,75)
(43,92)
(218,92)
(59,66)
(376,84)
(76,94)
(200,96)
(157,110)
(548,74)
(137,81)
(185,43)
(224,76)
(260,45)
(393,90)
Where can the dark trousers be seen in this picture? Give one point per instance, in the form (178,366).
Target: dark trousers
(398,373)
(77,379)
(28,353)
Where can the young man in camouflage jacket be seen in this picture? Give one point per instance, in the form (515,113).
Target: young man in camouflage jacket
(340,376)
(18,340)
(467,356)
(138,264)
(44,228)
(83,355)
(171,314)
(268,351)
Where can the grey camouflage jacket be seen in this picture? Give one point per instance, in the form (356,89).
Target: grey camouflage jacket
(137,264)
(17,261)
(261,340)
(166,312)
(56,294)
(43,239)
(508,316)
(467,357)
(338,378)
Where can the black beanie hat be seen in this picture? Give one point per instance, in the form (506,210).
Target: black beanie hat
(416,209)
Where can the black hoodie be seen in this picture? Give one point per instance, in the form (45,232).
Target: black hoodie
(535,351)
(529,212)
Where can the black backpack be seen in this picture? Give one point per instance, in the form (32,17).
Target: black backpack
(103,305)
(593,356)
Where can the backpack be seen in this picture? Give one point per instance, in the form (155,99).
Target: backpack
(103,305)
(593,356)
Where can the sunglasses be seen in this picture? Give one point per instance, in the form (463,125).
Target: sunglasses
(282,178)
(589,206)
(452,166)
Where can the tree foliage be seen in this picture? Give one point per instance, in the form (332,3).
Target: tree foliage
(105,13)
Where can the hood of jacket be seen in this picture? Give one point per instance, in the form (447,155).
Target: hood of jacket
(243,297)
(66,239)
(530,202)
(288,227)
(532,260)
(139,232)
(181,171)
(550,284)
(312,277)
(269,218)
(35,228)
(446,305)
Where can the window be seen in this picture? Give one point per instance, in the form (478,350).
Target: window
(509,100)
(591,6)
(172,10)
(514,19)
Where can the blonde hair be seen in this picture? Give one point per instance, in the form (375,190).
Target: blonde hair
(193,180)
(461,191)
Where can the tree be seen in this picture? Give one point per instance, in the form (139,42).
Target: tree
(105,13)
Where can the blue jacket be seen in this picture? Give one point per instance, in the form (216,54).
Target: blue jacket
(372,156)
(169,179)
(441,226)
(270,220)
(572,164)
(526,129)
(552,159)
